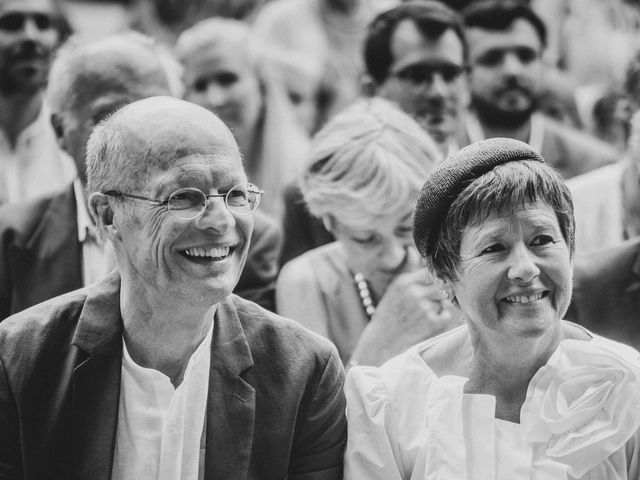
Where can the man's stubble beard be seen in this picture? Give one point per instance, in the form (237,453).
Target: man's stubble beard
(491,115)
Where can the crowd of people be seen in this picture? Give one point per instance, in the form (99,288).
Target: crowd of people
(318,239)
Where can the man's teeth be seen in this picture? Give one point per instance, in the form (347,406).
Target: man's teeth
(524,298)
(215,252)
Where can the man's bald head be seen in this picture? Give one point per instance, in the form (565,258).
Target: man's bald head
(149,136)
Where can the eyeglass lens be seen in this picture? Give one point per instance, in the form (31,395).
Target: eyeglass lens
(188,203)
(13,22)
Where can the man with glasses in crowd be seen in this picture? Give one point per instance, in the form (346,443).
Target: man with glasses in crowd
(48,246)
(506,40)
(30,162)
(415,55)
(159,371)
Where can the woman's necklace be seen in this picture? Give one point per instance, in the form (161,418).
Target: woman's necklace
(365,294)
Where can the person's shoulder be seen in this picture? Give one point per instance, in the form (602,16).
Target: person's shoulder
(329,256)
(42,326)
(605,178)
(579,142)
(23,218)
(272,332)
(601,264)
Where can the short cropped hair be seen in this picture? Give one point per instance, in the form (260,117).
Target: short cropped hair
(504,189)
(500,14)
(432,19)
(67,66)
(366,162)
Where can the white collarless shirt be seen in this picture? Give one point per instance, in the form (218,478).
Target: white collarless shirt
(160,433)
(98,258)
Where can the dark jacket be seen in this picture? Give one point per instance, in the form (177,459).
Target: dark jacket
(275,410)
(606,292)
(41,257)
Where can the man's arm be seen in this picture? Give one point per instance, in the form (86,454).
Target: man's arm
(9,430)
(320,441)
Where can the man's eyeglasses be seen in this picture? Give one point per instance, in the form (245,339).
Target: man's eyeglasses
(15,21)
(422,74)
(190,203)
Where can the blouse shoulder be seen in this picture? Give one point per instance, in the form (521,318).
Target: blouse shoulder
(584,404)
(386,412)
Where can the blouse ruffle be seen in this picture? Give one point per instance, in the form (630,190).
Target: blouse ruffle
(580,411)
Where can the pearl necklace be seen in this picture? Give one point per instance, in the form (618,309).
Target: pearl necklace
(365,295)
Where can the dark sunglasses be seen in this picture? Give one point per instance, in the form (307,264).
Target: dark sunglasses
(424,72)
(15,21)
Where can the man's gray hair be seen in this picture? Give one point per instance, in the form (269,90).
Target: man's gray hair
(66,67)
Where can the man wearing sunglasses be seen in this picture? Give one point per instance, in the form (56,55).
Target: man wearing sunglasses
(506,40)
(159,371)
(30,162)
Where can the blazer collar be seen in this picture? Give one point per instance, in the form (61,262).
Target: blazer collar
(231,402)
(96,380)
(57,229)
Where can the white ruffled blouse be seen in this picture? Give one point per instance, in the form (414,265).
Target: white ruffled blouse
(580,420)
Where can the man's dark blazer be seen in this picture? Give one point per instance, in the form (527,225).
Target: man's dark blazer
(275,409)
(606,292)
(41,257)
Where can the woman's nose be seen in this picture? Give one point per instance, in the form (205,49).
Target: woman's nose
(394,253)
(215,95)
(522,265)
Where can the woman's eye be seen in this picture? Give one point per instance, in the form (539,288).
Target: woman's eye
(492,249)
(543,240)
(364,240)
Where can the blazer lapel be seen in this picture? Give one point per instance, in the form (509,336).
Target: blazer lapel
(53,252)
(96,382)
(231,401)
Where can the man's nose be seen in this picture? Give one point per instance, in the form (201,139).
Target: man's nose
(216,216)
(437,87)
(30,30)
(511,64)
(522,265)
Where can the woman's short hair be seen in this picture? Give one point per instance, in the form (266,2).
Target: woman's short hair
(503,189)
(366,162)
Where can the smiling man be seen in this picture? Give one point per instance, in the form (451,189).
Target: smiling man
(159,371)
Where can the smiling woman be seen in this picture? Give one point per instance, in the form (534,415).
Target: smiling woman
(510,394)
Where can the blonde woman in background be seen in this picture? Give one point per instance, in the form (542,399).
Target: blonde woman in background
(227,72)
(367,292)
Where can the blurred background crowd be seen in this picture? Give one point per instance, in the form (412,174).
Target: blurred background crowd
(332,246)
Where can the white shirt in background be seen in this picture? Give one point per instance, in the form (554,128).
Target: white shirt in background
(161,429)
(98,258)
(36,166)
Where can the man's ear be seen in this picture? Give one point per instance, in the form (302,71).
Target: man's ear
(58,128)
(102,214)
